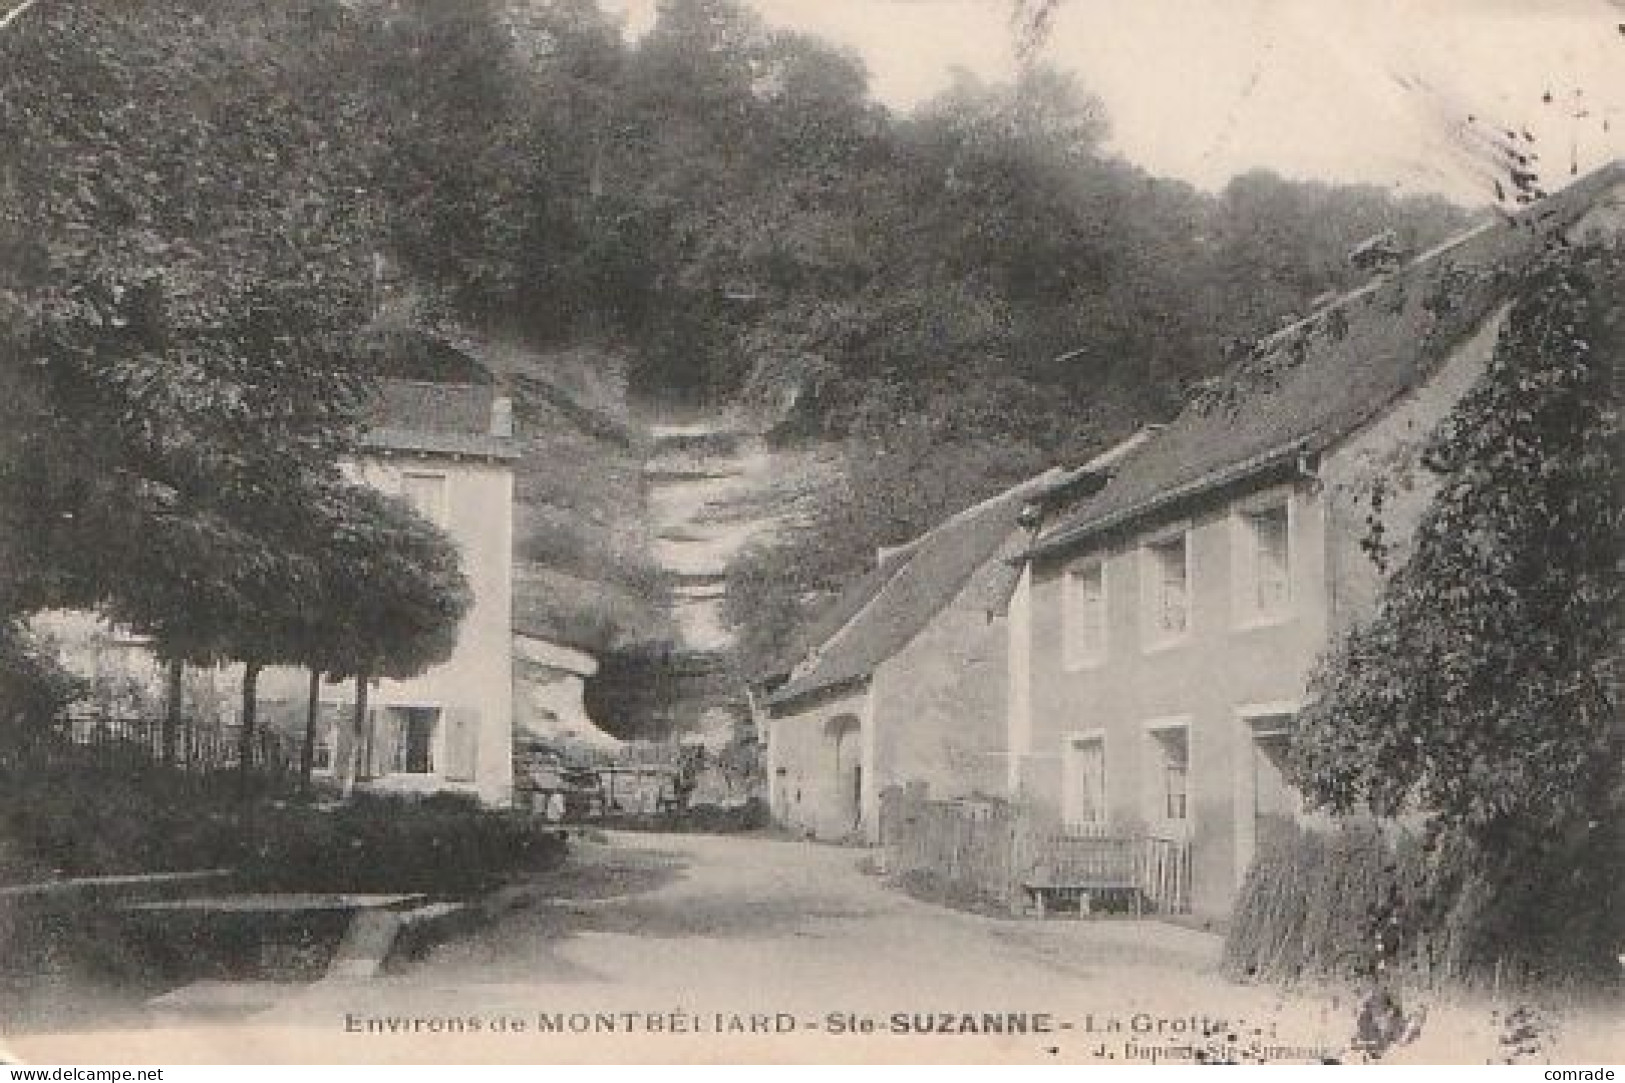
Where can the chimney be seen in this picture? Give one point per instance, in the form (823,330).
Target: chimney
(502,416)
(1379,254)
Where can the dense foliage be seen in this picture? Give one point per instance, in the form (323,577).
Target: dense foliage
(189,228)
(1484,693)
(956,296)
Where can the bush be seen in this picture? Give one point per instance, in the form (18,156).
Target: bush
(1369,897)
(81,812)
(73,814)
(1326,904)
(445,845)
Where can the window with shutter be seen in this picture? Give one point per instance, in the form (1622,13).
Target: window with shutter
(415,753)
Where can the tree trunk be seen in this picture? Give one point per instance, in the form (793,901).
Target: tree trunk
(245,737)
(358,729)
(172,711)
(307,754)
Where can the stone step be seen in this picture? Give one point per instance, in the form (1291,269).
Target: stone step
(375,935)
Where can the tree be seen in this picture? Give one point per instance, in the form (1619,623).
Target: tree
(33,685)
(187,256)
(393,595)
(1484,692)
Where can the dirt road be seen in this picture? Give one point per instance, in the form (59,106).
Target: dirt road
(705,948)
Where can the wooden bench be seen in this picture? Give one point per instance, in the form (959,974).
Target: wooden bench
(1045,893)
(1076,870)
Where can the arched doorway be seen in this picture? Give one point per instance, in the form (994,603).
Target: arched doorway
(846,805)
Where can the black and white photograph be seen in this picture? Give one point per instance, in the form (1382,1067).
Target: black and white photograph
(743,532)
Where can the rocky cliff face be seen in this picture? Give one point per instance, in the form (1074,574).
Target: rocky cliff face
(628,515)
(713,487)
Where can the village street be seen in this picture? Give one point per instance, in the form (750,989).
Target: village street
(648,945)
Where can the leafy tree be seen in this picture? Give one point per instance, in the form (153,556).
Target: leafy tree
(190,207)
(1485,690)
(33,685)
(188,260)
(393,595)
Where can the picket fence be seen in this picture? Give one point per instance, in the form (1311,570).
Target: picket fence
(992,848)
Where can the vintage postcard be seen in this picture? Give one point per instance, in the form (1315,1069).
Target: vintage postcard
(811,531)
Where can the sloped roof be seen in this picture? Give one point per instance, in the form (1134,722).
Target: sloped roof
(435,418)
(1322,378)
(888,607)
(838,613)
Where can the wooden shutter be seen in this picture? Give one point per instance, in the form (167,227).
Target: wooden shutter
(384,725)
(462,743)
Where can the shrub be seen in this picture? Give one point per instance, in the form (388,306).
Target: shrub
(1329,904)
(445,845)
(80,814)
(107,811)
(1370,897)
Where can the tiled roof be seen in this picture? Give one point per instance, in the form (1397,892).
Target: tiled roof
(887,608)
(839,612)
(436,419)
(422,406)
(1322,378)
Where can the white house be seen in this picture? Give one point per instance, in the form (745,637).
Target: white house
(448,451)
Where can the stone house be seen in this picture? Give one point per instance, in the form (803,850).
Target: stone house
(1163,629)
(446,449)
(125,685)
(902,681)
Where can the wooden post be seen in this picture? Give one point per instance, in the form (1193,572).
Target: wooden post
(359,723)
(245,737)
(172,711)
(307,754)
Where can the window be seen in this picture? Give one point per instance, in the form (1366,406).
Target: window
(1083,760)
(1266,580)
(1168,591)
(1170,774)
(426,494)
(403,740)
(1083,630)
(1175,776)
(415,754)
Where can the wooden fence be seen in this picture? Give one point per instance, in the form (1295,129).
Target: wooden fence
(992,848)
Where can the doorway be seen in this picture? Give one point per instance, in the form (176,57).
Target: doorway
(846,811)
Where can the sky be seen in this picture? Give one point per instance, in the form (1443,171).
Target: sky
(1386,92)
